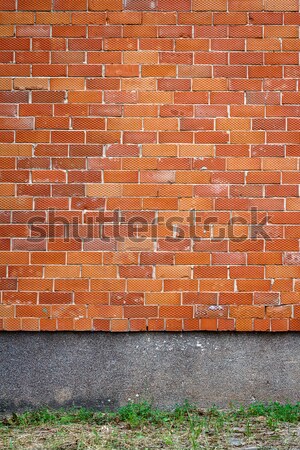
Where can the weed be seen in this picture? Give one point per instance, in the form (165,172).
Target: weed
(132,425)
(138,414)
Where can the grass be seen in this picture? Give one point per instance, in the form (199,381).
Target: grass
(141,426)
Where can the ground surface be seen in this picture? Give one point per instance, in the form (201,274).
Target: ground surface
(139,427)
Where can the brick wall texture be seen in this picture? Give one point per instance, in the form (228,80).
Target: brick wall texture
(149,165)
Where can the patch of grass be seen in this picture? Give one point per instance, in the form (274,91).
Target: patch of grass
(275,413)
(139,426)
(47,416)
(280,412)
(139,414)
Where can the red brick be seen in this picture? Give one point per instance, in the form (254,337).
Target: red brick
(208,324)
(176,312)
(11,324)
(201,18)
(101,325)
(167,5)
(231,18)
(178,128)
(279,325)
(227,44)
(210,5)
(156,325)
(103,5)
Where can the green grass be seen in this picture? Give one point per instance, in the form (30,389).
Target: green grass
(139,414)
(140,426)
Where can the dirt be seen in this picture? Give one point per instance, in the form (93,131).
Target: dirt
(250,434)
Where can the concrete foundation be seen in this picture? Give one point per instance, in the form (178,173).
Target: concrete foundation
(101,370)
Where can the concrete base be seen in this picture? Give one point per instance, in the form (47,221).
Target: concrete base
(101,370)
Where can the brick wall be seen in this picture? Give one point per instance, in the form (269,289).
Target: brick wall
(149,165)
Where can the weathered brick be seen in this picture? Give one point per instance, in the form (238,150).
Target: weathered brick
(195,128)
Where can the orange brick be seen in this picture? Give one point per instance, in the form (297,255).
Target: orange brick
(174,325)
(173,135)
(84,18)
(124,18)
(210,84)
(262,325)
(208,324)
(141,57)
(138,325)
(104,5)
(17,18)
(85,97)
(83,325)
(15,150)
(245,5)
(124,124)
(30,325)
(210,5)
(250,137)
(244,324)
(166,298)
(279,325)
(233,124)
(161,124)
(158,71)
(6,311)
(119,325)
(48,324)
(156,325)
(43,5)
(72,84)
(176,312)
(6,84)
(12,324)
(101,325)
(199,18)
(245,312)
(268,44)
(279,312)
(285,5)
(33,311)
